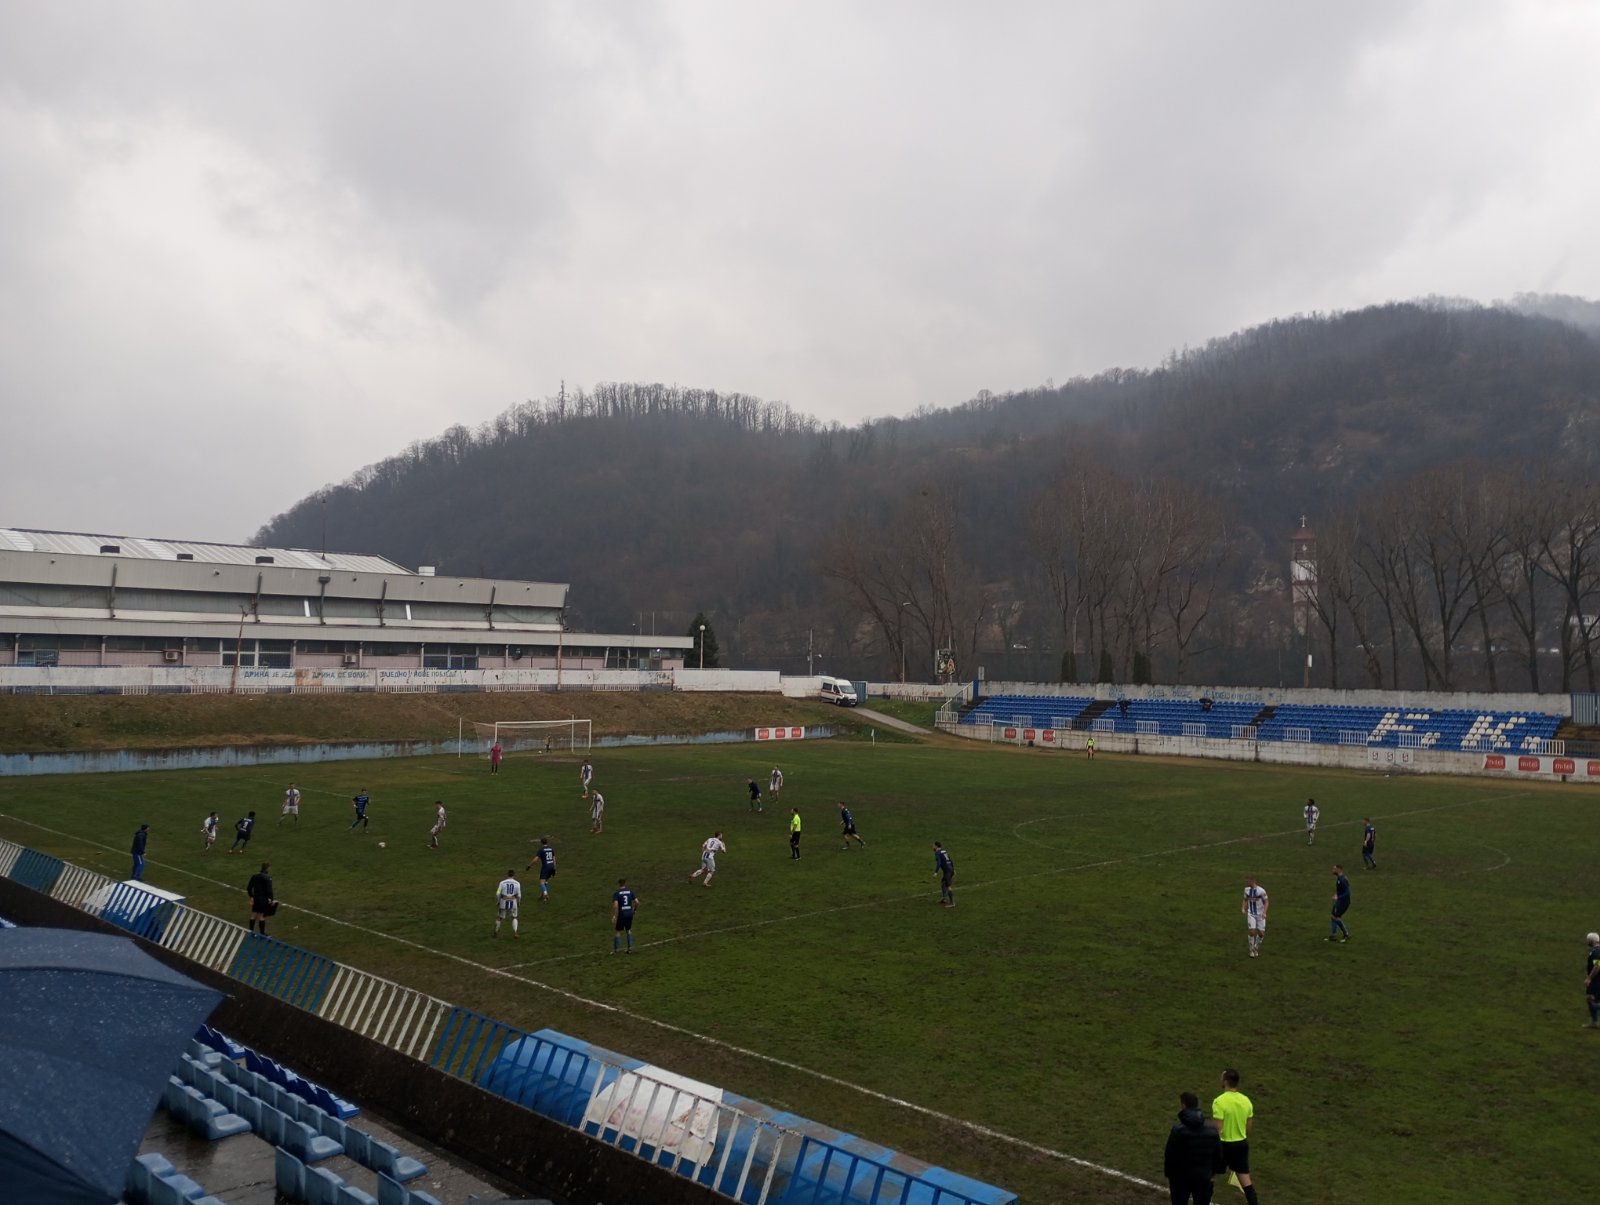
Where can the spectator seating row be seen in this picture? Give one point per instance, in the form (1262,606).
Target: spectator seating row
(282,1076)
(1177,717)
(215,1107)
(330,1131)
(219,1042)
(209,1085)
(152,1180)
(1422,728)
(205,1115)
(1038,711)
(298,1181)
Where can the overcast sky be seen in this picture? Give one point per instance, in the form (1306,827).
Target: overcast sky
(247,248)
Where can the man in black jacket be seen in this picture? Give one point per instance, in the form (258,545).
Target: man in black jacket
(1194,1154)
(262,901)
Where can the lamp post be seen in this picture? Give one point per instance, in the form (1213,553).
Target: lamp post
(702,646)
(902,638)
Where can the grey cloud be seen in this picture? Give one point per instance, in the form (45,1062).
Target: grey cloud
(261,245)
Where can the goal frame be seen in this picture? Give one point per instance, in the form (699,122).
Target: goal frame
(573,735)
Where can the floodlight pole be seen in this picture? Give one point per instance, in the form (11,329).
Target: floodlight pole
(901,636)
(702,646)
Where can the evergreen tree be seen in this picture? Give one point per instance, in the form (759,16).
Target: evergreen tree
(1106,674)
(705,638)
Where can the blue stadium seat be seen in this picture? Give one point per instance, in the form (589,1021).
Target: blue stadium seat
(176,1189)
(349,1194)
(247,1107)
(142,1170)
(273,1124)
(290,1174)
(332,1127)
(307,1144)
(358,1145)
(322,1186)
(390,1162)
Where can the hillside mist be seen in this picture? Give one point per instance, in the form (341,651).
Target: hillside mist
(1129,526)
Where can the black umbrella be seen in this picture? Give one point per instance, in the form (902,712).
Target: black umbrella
(90,1028)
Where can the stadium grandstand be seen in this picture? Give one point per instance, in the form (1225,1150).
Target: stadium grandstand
(77,599)
(1455,729)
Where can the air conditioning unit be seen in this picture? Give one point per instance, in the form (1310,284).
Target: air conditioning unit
(351,659)
(171,655)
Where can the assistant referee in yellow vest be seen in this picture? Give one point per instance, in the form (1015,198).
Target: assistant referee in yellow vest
(1233,1113)
(794,834)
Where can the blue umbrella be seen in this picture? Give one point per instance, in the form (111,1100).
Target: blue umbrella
(90,1028)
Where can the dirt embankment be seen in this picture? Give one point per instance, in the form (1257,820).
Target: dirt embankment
(48,723)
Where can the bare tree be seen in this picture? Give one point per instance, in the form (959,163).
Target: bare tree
(1570,557)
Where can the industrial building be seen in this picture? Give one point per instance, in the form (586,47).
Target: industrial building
(78,599)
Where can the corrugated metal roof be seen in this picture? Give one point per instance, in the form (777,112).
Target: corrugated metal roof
(79,543)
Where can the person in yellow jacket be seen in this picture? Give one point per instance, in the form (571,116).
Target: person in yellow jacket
(794,834)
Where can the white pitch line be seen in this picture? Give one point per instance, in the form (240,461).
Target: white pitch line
(972,1126)
(1505,860)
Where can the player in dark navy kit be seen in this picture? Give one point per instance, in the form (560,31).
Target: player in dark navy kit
(755,795)
(847,823)
(623,904)
(359,801)
(1369,842)
(1341,905)
(944,866)
(546,857)
(242,828)
(140,839)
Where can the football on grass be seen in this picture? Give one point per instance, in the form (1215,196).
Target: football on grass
(383,845)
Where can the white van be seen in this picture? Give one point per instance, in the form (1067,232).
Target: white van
(840,691)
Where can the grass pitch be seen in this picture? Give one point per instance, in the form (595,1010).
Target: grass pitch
(1095,964)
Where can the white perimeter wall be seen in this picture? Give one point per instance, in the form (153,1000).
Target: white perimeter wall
(310,679)
(1293,753)
(1550,704)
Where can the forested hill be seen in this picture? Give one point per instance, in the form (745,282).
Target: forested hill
(650,498)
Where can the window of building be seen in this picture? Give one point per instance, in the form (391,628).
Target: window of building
(346,648)
(450,656)
(528,615)
(31,594)
(393,649)
(36,641)
(182,602)
(465,614)
(257,654)
(143,644)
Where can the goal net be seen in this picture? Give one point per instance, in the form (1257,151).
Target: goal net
(533,736)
